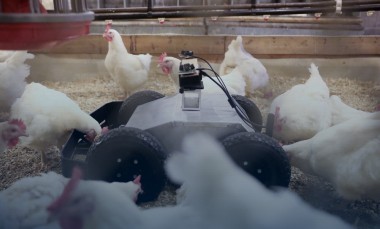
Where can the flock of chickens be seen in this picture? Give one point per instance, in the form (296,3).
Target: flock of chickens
(320,133)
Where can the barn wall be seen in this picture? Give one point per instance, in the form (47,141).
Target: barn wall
(352,57)
(265,46)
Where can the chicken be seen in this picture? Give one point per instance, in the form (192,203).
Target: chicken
(236,54)
(342,112)
(234,80)
(13,72)
(50,116)
(302,111)
(128,70)
(228,197)
(10,132)
(27,199)
(209,191)
(346,154)
(5,54)
(93,206)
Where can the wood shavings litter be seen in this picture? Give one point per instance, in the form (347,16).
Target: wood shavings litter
(92,94)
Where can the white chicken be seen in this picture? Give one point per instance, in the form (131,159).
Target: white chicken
(10,132)
(93,206)
(234,81)
(257,77)
(230,198)
(302,111)
(221,196)
(26,200)
(128,70)
(13,72)
(49,116)
(5,54)
(346,154)
(342,112)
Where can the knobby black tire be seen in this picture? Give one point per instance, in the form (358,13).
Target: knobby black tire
(261,156)
(125,152)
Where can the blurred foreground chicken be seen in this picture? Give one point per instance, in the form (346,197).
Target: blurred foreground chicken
(26,201)
(128,70)
(228,197)
(346,154)
(90,205)
(235,80)
(342,112)
(257,77)
(5,54)
(302,111)
(50,116)
(13,72)
(10,132)
(221,196)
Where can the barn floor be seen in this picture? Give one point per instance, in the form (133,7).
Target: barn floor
(91,93)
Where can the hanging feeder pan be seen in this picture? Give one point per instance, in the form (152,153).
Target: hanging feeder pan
(29,31)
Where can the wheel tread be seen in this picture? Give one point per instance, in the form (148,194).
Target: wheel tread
(243,137)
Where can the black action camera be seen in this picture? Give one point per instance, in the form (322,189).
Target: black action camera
(189,76)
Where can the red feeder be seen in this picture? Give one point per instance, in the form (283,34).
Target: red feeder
(26,25)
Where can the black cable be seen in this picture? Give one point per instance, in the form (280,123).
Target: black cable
(234,104)
(212,69)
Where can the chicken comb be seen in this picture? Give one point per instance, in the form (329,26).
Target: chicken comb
(108,25)
(137,180)
(19,123)
(69,188)
(162,57)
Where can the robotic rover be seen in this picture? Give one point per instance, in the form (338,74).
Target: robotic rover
(148,126)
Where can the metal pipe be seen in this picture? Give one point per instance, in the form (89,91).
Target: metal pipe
(234,10)
(359,2)
(216,7)
(150,5)
(205,13)
(253,5)
(361,8)
(282,19)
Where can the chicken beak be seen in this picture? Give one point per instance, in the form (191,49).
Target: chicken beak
(24,134)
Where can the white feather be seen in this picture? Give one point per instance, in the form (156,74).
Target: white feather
(49,115)
(256,75)
(25,202)
(342,112)
(128,70)
(228,197)
(346,154)
(13,72)
(303,111)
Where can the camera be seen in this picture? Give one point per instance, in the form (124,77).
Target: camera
(190,81)
(189,76)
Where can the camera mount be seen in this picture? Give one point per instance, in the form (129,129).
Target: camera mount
(190,81)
